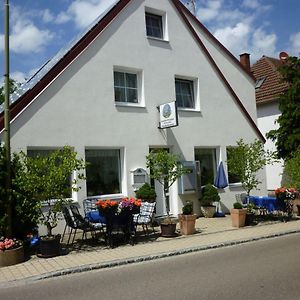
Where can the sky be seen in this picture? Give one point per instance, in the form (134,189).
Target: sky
(40,28)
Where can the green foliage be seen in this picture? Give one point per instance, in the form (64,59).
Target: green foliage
(237,205)
(165,168)
(292,169)
(24,213)
(246,160)
(287,136)
(146,192)
(187,209)
(13,85)
(47,181)
(209,195)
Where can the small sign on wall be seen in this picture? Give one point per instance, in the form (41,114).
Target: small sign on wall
(168,115)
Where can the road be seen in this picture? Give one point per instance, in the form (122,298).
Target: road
(268,269)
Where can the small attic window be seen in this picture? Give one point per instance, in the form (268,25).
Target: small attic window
(259,82)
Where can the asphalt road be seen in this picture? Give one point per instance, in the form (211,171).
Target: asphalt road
(268,269)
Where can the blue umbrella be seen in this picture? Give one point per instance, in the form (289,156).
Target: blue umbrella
(221,179)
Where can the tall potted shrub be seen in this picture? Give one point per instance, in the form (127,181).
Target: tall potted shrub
(146,193)
(166,169)
(47,180)
(209,196)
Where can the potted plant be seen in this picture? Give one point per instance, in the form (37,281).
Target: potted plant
(164,168)
(209,196)
(250,214)
(11,252)
(187,219)
(146,193)
(238,215)
(47,179)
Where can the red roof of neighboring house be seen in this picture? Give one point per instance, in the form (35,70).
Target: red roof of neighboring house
(25,99)
(266,70)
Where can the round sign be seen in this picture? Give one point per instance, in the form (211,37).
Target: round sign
(167,111)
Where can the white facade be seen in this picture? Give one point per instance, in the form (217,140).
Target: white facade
(267,114)
(78,107)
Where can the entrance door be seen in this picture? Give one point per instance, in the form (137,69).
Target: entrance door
(160,198)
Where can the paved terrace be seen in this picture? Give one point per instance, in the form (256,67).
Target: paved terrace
(211,233)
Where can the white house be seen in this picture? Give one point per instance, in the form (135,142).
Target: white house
(100,96)
(269,86)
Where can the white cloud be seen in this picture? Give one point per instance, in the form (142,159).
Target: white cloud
(18,76)
(84,12)
(62,18)
(263,43)
(47,16)
(294,44)
(251,4)
(210,11)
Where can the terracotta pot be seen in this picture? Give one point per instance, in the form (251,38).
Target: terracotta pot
(208,211)
(11,257)
(187,224)
(168,229)
(238,217)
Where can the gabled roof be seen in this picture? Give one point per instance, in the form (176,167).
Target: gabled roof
(266,70)
(55,66)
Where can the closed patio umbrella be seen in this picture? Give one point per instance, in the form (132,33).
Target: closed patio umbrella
(221,179)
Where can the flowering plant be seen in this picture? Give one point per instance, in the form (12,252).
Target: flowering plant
(8,244)
(286,193)
(130,204)
(107,206)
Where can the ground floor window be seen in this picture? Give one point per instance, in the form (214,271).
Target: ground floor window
(232,178)
(208,165)
(103,171)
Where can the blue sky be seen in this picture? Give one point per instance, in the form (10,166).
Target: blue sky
(39,28)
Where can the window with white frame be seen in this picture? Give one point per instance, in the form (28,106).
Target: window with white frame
(208,164)
(34,153)
(154,25)
(126,86)
(103,171)
(185,95)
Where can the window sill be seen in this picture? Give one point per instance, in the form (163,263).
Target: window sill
(127,104)
(188,109)
(237,184)
(157,39)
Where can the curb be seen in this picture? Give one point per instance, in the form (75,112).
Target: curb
(139,259)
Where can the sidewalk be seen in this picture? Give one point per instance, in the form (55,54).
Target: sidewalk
(211,233)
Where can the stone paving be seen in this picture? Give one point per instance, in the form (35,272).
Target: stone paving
(211,233)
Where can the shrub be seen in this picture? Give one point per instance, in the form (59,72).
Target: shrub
(187,209)
(146,192)
(237,205)
(209,195)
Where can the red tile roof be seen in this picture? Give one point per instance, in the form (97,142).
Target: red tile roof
(272,86)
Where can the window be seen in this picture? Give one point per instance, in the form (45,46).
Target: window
(259,82)
(34,153)
(208,166)
(154,25)
(184,93)
(125,85)
(232,178)
(103,171)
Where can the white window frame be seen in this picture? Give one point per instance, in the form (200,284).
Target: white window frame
(196,90)
(140,86)
(163,15)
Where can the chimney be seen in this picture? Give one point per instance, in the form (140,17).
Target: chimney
(245,61)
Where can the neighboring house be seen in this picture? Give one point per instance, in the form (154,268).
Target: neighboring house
(101,94)
(269,86)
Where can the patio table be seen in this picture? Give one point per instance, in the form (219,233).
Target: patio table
(270,204)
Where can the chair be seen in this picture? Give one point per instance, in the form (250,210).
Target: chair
(145,217)
(69,223)
(91,212)
(83,224)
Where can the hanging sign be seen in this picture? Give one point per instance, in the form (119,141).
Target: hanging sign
(168,115)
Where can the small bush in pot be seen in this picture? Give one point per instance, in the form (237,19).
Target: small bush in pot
(238,215)
(187,219)
(146,193)
(209,196)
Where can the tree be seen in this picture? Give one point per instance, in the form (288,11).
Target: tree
(245,160)
(287,136)
(47,180)
(13,85)
(292,170)
(165,168)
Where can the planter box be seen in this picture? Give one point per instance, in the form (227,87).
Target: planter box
(11,257)
(238,217)
(187,224)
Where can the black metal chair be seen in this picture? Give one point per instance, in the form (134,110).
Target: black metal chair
(69,223)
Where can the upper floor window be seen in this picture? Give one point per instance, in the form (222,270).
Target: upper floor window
(154,25)
(126,88)
(184,93)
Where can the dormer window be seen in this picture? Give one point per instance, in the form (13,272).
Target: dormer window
(154,25)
